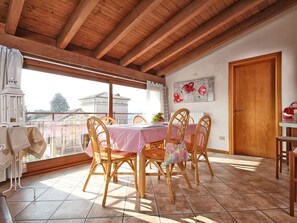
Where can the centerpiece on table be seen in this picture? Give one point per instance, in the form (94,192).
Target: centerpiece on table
(158,118)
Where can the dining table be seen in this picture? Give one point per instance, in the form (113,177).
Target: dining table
(135,137)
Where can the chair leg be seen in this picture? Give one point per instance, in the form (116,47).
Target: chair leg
(169,183)
(159,173)
(115,176)
(107,179)
(208,163)
(196,172)
(135,172)
(92,168)
(184,172)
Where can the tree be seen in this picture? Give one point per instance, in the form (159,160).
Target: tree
(59,103)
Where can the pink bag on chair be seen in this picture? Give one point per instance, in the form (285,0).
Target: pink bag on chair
(175,153)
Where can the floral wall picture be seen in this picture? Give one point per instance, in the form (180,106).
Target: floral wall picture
(198,90)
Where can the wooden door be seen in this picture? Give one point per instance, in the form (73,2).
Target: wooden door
(254,106)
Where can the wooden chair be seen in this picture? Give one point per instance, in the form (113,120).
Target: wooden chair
(191,120)
(281,154)
(198,149)
(138,119)
(109,120)
(105,157)
(177,124)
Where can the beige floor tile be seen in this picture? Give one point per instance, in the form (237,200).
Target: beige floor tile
(218,188)
(281,216)
(243,187)
(41,181)
(184,218)
(264,201)
(67,221)
(105,220)
(196,189)
(25,194)
(268,186)
(136,205)
(114,207)
(142,219)
(55,194)
(90,194)
(73,209)
(32,221)
(165,207)
(251,216)
(38,210)
(203,204)
(234,202)
(17,207)
(161,188)
(283,197)
(221,217)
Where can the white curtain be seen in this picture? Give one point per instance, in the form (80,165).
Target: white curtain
(11,63)
(154,99)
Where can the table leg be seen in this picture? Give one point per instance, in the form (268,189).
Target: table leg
(142,180)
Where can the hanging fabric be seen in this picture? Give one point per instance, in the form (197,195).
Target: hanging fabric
(11,64)
(154,99)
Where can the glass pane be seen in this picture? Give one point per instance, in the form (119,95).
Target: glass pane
(128,102)
(59,106)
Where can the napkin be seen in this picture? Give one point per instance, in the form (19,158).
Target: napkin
(18,138)
(38,145)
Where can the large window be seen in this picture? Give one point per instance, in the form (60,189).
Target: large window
(128,102)
(59,106)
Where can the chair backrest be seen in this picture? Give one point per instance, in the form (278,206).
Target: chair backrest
(202,133)
(177,126)
(99,137)
(191,120)
(138,119)
(109,120)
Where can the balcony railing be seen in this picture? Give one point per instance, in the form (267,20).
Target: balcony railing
(66,132)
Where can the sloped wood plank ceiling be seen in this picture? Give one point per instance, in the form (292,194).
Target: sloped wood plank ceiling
(137,39)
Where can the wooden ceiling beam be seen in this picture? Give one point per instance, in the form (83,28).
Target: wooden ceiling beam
(55,54)
(233,32)
(76,20)
(125,26)
(13,16)
(200,32)
(187,14)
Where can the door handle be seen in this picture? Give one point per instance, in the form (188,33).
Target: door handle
(238,110)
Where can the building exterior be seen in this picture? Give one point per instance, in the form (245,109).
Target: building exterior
(99,103)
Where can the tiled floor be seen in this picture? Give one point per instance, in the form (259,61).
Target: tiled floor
(244,189)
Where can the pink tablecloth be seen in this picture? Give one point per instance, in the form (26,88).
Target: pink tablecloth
(133,138)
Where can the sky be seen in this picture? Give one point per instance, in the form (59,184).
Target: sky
(40,88)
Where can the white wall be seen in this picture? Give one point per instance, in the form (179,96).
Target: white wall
(277,34)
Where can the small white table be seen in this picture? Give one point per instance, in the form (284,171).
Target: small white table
(14,142)
(288,126)
(290,123)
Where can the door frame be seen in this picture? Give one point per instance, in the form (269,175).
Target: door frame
(278,91)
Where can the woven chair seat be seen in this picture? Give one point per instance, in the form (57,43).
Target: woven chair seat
(155,154)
